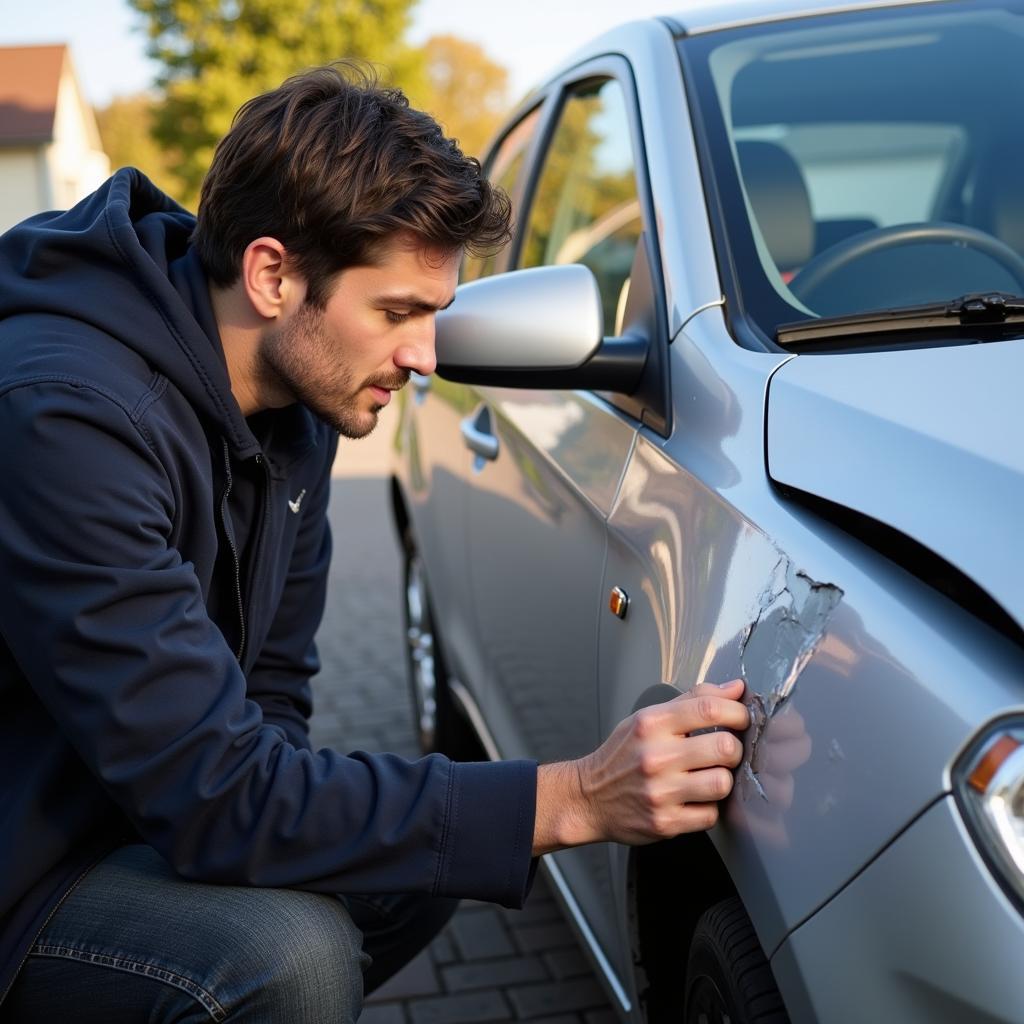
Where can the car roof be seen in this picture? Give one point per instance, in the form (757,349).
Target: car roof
(701,16)
(711,15)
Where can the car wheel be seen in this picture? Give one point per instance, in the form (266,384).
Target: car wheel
(440,726)
(728,980)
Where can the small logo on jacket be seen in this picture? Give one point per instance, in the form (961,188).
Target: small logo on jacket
(297,503)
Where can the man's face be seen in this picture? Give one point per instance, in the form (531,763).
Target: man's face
(344,361)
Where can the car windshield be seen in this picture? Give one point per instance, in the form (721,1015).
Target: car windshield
(864,161)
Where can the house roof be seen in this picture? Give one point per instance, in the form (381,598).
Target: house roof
(29,80)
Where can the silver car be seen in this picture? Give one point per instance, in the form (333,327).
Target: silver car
(742,398)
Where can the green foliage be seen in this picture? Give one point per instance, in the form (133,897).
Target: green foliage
(216,54)
(577,188)
(586,208)
(465,91)
(125,129)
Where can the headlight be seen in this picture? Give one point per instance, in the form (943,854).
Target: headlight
(989,782)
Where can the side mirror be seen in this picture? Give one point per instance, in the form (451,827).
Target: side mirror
(536,328)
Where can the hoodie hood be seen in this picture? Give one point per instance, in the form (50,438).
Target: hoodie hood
(120,261)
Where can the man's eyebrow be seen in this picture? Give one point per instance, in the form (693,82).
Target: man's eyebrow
(414,301)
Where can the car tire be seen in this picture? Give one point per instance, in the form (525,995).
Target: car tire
(728,979)
(439,723)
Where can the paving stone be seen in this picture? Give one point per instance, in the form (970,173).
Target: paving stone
(442,949)
(556,997)
(536,911)
(489,973)
(480,935)
(472,906)
(416,978)
(537,938)
(466,1008)
(392,1013)
(560,1019)
(567,963)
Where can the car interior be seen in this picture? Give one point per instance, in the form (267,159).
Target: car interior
(853,138)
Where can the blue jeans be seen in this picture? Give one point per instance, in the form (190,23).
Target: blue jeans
(134,942)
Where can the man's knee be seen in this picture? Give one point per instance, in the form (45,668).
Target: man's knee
(301,960)
(395,928)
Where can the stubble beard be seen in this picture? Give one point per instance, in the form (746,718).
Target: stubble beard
(300,360)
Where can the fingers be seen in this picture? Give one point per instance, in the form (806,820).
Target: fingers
(689,818)
(708,750)
(677,758)
(702,708)
(733,689)
(666,769)
(708,785)
(696,818)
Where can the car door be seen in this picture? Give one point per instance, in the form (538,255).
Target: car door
(439,465)
(548,466)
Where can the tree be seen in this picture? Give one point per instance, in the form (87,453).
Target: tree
(216,54)
(465,90)
(125,128)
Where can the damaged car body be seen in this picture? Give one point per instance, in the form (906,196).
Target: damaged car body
(740,399)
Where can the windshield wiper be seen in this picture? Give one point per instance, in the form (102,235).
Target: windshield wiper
(977,309)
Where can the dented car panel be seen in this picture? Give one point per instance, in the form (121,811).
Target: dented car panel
(846,657)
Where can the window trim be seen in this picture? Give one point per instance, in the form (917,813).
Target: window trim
(535,104)
(651,405)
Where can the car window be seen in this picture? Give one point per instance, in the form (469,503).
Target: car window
(866,160)
(503,169)
(868,174)
(585,207)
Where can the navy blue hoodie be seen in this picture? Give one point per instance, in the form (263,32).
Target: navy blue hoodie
(158,600)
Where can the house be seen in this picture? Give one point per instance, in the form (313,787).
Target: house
(50,150)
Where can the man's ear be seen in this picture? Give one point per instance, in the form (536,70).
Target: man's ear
(273,288)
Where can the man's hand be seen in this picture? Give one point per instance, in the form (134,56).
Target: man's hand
(651,779)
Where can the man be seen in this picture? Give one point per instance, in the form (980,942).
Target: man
(170,397)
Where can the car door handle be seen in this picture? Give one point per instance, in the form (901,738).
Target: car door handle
(476,432)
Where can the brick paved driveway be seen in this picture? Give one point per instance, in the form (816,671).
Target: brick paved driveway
(490,964)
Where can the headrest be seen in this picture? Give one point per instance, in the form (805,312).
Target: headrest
(778,195)
(997,205)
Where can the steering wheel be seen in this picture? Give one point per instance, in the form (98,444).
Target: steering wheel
(839,256)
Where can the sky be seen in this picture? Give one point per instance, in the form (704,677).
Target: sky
(108,49)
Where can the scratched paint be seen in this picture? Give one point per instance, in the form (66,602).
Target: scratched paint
(790,620)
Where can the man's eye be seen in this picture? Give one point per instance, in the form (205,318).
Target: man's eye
(396,318)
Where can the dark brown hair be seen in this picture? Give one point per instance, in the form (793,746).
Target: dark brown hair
(332,164)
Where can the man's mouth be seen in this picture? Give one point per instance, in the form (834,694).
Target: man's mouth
(382,390)
(381,395)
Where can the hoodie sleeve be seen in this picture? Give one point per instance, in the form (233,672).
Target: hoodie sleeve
(288,658)
(108,624)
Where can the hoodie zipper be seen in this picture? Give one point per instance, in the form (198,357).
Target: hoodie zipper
(225,519)
(264,530)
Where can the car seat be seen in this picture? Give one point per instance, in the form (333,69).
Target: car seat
(781,204)
(997,202)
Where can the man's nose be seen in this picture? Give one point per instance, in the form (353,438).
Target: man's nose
(418,354)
